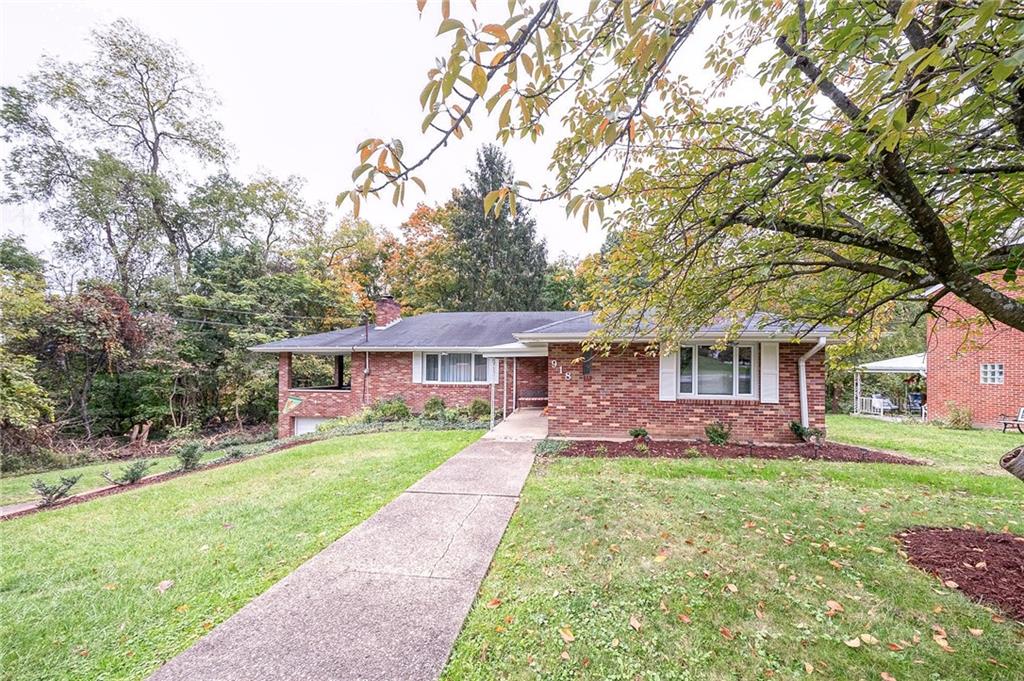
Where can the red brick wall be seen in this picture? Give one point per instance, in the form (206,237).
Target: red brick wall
(956,350)
(622,393)
(531,379)
(390,376)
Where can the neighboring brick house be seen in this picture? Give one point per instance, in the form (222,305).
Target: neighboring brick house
(759,384)
(973,364)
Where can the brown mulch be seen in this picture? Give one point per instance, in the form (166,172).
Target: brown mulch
(674,449)
(985,566)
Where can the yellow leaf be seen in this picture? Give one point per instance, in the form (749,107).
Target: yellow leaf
(976,632)
(497,30)
(479,80)
(182,608)
(869,639)
(808,667)
(566,634)
(635,622)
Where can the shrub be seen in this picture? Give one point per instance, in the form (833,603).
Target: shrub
(638,433)
(717,432)
(479,409)
(806,434)
(549,447)
(958,418)
(691,453)
(601,450)
(183,432)
(642,448)
(456,414)
(131,473)
(393,409)
(188,454)
(51,494)
(434,408)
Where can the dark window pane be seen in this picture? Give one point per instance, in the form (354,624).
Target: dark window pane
(686,371)
(714,370)
(431,368)
(588,362)
(479,368)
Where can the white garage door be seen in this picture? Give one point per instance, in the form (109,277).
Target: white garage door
(307,424)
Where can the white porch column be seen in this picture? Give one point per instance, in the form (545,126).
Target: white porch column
(515,366)
(504,389)
(492,405)
(856,392)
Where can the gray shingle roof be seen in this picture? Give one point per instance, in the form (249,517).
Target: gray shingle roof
(433,330)
(482,330)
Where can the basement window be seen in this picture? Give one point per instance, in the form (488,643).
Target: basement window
(992,374)
(321,372)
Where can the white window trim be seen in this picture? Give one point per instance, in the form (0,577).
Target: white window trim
(755,368)
(992,371)
(473,355)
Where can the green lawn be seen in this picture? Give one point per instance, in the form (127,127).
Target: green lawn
(78,585)
(977,450)
(19,487)
(703,569)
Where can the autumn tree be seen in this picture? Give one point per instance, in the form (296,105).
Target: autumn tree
(822,159)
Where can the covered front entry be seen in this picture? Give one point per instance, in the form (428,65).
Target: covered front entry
(524,379)
(523,425)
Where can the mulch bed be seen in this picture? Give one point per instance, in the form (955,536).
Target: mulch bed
(829,451)
(985,566)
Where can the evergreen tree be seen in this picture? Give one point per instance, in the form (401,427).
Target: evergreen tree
(498,262)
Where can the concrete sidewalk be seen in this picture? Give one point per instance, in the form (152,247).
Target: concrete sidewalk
(385,601)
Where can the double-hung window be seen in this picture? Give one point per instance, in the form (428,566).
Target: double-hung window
(992,374)
(454,367)
(710,371)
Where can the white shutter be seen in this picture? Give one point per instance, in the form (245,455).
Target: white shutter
(770,373)
(668,383)
(492,371)
(417,367)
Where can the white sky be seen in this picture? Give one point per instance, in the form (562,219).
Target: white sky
(301,84)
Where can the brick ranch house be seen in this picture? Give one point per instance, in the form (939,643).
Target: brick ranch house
(759,384)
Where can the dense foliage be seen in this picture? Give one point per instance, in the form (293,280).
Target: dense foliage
(824,160)
(168,267)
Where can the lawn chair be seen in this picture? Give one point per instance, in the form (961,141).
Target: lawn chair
(1010,422)
(880,404)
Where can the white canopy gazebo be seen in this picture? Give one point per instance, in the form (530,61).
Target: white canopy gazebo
(877,406)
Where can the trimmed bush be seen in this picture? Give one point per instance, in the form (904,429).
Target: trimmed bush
(189,454)
(549,447)
(806,434)
(638,433)
(434,408)
(392,409)
(131,473)
(717,432)
(479,409)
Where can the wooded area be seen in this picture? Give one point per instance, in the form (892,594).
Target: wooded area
(168,267)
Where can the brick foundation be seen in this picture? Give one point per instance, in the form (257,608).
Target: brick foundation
(621,392)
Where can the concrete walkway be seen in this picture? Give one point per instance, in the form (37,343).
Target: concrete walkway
(385,601)
(523,425)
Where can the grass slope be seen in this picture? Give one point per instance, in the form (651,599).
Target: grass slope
(78,586)
(703,569)
(977,450)
(18,488)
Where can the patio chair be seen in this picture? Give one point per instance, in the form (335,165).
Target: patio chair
(1008,421)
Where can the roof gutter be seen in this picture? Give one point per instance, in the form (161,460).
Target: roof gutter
(805,420)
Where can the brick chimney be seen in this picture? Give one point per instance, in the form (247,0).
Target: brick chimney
(388,312)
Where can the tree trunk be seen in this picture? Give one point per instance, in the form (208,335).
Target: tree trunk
(1013,462)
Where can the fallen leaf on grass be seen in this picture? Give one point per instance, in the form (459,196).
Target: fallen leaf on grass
(940,640)
(895,647)
(875,549)
(110,587)
(564,655)
(615,643)
(493,603)
(182,608)
(566,634)
(808,667)
(853,642)
(869,639)
(949,583)
(685,619)
(634,622)
(727,633)
(976,632)
(886,676)
(731,588)
(759,610)
(662,556)
(834,607)
(165,585)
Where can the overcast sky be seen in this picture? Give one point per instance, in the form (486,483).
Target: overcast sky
(300,84)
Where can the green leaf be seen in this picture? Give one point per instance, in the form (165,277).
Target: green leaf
(449,25)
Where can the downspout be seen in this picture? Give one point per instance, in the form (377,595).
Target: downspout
(802,369)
